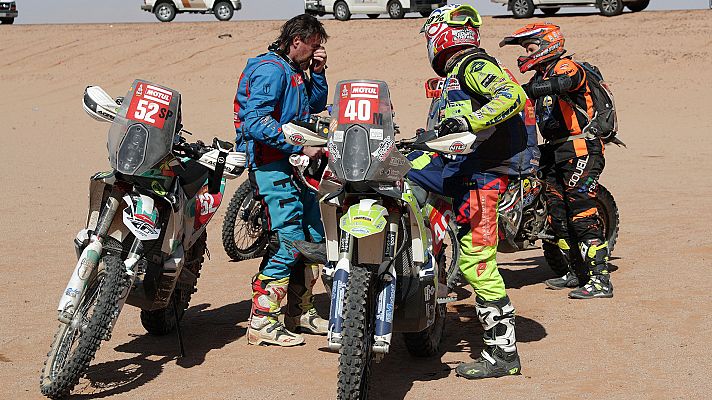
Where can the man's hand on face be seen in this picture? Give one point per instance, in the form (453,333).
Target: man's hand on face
(319,60)
(312,152)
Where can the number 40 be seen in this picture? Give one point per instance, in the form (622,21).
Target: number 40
(358,110)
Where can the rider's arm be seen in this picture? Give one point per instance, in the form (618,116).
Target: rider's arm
(266,86)
(319,93)
(506,98)
(567,76)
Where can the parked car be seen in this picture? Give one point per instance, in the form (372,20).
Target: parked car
(8,12)
(609,8)
(166,10)
(396,9)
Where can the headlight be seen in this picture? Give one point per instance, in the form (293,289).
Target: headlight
(132,150)
(357,158)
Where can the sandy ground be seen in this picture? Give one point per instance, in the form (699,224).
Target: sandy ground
(650,341)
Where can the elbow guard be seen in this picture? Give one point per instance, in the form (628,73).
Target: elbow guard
(555,85)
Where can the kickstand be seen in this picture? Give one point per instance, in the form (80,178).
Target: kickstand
(180,335)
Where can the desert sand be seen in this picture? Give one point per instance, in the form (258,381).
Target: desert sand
(651,341)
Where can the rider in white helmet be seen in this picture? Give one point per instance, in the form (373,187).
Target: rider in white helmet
(479,96)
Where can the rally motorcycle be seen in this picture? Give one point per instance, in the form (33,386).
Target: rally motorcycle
(523,215)
(386,264)
(144,239)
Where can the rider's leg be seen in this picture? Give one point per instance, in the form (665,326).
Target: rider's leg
(477,223)
(301,314)
(558,221)
(581,179)
(284,210)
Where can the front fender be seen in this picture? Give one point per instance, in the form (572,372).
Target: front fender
(141,217)
(364,219)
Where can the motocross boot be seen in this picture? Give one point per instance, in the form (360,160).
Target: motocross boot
(265,328)
(301,315)
(569,280)
(499,357)
(595,255)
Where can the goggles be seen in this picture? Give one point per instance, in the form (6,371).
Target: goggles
(458,16)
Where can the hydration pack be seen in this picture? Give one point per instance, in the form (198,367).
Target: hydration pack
(604,123)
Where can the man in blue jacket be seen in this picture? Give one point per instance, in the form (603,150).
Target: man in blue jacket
(275,89)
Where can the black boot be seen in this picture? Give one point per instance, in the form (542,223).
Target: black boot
(595,255)
(499,357)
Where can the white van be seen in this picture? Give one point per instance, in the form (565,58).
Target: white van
(342,9)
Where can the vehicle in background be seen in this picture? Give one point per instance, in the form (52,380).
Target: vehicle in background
(166,10)
(396,9)
(609,8)
(8,12)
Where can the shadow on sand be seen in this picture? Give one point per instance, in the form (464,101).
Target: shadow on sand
(203,329)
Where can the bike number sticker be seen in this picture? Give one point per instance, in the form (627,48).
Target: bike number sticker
(206,205)
(150,105)
(359,101)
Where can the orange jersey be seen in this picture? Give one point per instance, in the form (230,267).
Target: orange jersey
(564,115)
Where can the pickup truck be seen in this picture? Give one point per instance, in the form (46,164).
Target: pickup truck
(166,10)
(396,9)
(609,8)
(8,12)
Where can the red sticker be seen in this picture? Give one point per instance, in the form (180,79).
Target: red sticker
(205,207)
(359,101)
(150,105)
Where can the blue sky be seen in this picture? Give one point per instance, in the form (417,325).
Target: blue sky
(102,11)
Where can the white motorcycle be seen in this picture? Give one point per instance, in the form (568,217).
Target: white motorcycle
(144,238)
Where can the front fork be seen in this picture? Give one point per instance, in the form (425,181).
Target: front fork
(386,296)
(88,260)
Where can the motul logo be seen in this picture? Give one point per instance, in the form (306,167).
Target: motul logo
(457,147)
(364,90)
(155,93)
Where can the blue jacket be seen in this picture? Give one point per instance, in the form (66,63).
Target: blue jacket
(271,92)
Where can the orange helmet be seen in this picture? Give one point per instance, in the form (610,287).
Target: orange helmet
(547,36)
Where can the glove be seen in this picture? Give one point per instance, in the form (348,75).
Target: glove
(555,85)
(453,125)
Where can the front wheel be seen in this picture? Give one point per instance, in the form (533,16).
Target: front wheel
(76,343)
(395,10)
(523,8)
(165,12)
(356,350)
(610,8)
(341,11)
(243,233)
(223,11)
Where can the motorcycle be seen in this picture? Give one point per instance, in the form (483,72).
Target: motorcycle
(386,261)
(150,254)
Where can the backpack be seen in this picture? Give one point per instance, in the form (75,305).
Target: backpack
(604,123)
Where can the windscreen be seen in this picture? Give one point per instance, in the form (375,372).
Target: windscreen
(362,145)
(142,133)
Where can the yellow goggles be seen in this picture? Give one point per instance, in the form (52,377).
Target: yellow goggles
(458,16)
